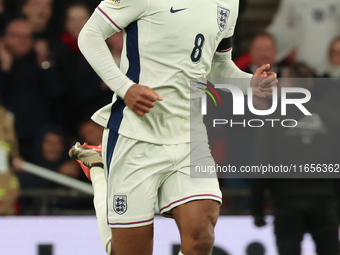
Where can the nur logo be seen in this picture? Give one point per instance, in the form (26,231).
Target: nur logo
(209,93)
(238,99)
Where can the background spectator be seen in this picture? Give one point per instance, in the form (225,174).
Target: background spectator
(333,65)
(9,184)
(307,27)
(262,51)
(29,85)
(5,17)
(300,205)
(84,85)
(90,132)
(50,151)
(38,14)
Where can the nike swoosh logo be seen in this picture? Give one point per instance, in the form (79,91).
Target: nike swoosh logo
(178,10)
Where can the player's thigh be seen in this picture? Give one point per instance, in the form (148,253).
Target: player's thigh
(193,202)
(132,182)
(180,187)
(132,241)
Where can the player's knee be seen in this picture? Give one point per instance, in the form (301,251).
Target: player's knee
(201,237)
(202,240)
(212,218)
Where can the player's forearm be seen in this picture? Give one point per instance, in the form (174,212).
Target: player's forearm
(93,46)
(224,68)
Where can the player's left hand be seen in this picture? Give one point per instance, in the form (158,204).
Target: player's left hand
(263,82)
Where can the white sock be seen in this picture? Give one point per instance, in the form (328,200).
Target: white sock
(180,253)
(100,189)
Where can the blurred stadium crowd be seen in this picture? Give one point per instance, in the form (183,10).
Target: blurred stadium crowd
(48,91)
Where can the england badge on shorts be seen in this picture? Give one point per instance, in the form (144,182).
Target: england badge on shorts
(222,18)
(120,204)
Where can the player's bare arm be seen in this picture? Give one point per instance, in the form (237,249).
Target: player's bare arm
(141,99)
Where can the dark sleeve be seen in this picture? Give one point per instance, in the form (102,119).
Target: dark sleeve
(225,45)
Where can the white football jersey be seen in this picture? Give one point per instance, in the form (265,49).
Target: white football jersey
(308,26)
(166,43)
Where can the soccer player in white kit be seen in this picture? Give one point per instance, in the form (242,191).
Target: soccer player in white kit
(146,142)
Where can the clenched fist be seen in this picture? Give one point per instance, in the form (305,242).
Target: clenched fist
(263,82)
(141,99)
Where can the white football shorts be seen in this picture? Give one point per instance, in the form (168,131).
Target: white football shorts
(140,173)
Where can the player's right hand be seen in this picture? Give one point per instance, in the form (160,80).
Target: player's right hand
(141,99)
